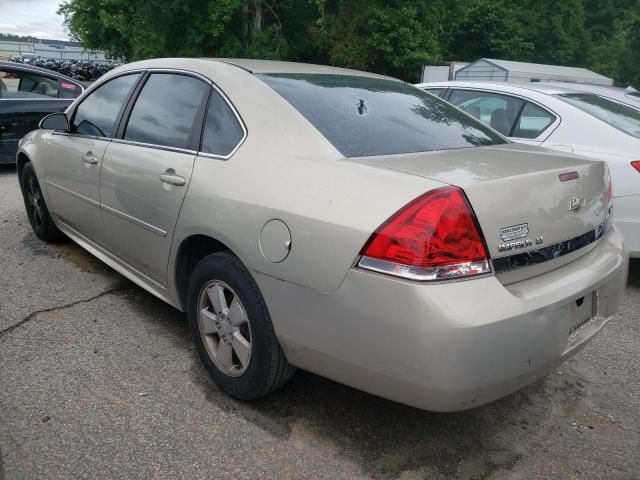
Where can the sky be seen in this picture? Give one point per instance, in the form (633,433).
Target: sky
(36,18)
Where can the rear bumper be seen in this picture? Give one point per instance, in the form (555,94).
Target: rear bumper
(448,346)
(627,221)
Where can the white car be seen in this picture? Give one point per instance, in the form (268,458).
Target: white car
(565,119)
(628,96)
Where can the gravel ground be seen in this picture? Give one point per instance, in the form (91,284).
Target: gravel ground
(98,379)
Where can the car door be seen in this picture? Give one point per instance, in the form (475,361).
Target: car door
(146,170)
(25,98)
(74,158)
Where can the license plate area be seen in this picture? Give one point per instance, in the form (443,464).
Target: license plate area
(584,312)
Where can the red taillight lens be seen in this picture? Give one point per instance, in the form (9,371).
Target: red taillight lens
(434,237)
(636,164)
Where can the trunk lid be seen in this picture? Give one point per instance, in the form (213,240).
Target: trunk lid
(532,221)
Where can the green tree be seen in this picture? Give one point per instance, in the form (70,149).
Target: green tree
(386,36)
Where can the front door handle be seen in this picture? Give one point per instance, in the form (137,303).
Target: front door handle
(171,178)
(89,159)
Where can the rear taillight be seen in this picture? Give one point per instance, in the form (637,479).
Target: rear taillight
(435,237)
(636,164)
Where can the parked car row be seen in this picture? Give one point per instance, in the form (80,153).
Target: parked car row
(337,221)
(81,70)
(590,121)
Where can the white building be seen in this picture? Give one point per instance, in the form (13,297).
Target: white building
(488,70)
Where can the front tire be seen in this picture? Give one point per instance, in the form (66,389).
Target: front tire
(37,210)
(232,329)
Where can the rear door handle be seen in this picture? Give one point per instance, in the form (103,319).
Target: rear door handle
(89,159)
(172,179)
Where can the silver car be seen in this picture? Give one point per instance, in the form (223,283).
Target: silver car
(333,220)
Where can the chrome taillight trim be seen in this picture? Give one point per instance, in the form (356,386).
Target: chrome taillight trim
(455,271)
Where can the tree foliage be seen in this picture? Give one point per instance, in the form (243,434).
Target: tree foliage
(387,36)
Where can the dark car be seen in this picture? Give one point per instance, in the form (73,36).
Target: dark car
(26,95)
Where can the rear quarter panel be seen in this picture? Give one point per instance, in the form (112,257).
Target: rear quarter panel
(287,170)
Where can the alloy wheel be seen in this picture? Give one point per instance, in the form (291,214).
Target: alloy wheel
(224,327)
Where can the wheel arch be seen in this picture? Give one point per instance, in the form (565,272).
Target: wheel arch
(21,161)
(191,250)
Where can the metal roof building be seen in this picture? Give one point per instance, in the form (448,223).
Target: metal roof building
(485,70)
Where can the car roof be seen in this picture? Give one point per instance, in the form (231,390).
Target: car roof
(43,71)
(541,87)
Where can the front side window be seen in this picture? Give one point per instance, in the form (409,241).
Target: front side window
(167,110)
(222,130)
(365,116)
(497,111)
(97,114)
(532,121)
(616,114)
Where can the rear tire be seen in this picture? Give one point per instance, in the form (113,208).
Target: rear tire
(37,210)
(232,329)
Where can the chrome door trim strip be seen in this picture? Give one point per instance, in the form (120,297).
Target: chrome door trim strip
(550,252)
(145,225)
(111,259)
(73,194)
(154,146)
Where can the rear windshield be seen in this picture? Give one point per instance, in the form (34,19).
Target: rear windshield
(363,116)
(616,114)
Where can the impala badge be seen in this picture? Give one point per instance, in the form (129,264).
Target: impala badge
(576,204)
(514,231)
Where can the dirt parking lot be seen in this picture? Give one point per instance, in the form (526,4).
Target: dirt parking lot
(98,379)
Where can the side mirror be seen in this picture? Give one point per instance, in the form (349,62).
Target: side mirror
(55,121)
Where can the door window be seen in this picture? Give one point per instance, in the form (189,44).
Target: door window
(222,131)
(21,84)
(532,122)
(497,111)
(97,114)
(167,111)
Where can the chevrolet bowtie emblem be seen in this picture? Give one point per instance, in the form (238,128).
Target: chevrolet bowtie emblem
(576,204)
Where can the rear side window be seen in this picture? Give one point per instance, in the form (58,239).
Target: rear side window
(167,110)
(97,113)
(364,116)
(532,121)
(497,111)
(222,130)
(616,114)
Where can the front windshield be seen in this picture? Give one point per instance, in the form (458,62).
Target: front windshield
(616,114)
(365,116)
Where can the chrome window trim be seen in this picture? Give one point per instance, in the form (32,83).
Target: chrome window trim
(153,146)
(240,121)
(516,261)
(80,135)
